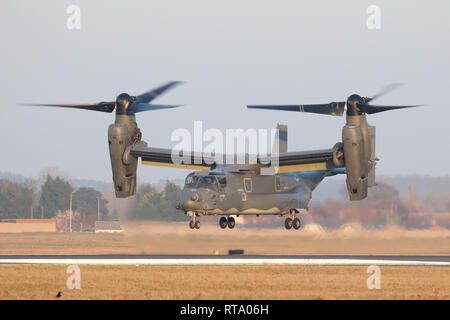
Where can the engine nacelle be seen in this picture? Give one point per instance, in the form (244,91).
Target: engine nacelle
(355,161)
(121,135)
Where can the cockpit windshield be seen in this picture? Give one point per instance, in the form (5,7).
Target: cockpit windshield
(191,181)
(209,182)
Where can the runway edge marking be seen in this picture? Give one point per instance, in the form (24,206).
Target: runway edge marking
(223,262)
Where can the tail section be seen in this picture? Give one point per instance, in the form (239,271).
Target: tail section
(280,142)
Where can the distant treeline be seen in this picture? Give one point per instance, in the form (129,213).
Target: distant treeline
(22,200)
(151,204)
(76,183)
(335,187)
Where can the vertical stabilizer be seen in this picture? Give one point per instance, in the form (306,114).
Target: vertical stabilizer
(280,139)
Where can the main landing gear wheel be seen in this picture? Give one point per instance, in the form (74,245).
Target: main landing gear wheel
(223,222)
(231,222)
(296,223)
(197,224)
(288,223)
(192,224)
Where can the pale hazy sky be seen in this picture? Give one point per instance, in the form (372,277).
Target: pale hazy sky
(230,53)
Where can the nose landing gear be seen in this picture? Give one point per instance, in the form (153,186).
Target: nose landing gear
(194,223)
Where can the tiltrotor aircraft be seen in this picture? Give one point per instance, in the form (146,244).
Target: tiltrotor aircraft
(232,190)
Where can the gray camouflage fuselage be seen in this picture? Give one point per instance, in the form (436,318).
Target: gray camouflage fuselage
(250,193)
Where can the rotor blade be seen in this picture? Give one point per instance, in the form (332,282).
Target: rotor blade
(333,108)
(370,109)
(385,90)
(152,94)
(140,107)
(101,106)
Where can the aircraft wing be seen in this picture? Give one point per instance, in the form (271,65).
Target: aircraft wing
(285,162)
(163,157)
(301,161)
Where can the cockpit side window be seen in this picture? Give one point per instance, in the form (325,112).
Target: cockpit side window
(191,182)
(223,184)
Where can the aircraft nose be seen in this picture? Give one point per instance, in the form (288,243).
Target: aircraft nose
(190,201)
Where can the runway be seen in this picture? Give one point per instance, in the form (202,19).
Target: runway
(161,260)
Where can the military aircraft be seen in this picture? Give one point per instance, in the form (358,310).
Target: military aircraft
(228,190)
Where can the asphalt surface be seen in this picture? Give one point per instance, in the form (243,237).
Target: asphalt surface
(231,256)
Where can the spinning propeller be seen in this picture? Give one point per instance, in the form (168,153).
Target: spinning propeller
(355,105)
(124,104)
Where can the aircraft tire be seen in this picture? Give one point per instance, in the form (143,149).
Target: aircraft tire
(223,223)
(288,223)
(197,224)
(296,223)
(191,224)
(231,222)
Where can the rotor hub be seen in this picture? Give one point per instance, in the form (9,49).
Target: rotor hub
(352,105)
(123,101)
